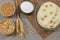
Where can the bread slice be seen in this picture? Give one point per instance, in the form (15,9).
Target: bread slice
(48,15)
(7,27)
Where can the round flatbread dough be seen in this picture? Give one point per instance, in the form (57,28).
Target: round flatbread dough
(48,15)
(7,27)
(7,9)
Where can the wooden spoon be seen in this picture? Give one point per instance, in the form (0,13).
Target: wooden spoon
(19,23)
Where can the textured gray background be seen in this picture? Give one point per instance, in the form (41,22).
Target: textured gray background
(33,36)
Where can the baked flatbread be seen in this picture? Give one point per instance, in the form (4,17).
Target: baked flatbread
(7,9)
(48,15)
(7,26)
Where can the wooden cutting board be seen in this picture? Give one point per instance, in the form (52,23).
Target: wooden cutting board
(30,17)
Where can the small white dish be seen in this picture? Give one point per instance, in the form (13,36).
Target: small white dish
(27,7)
